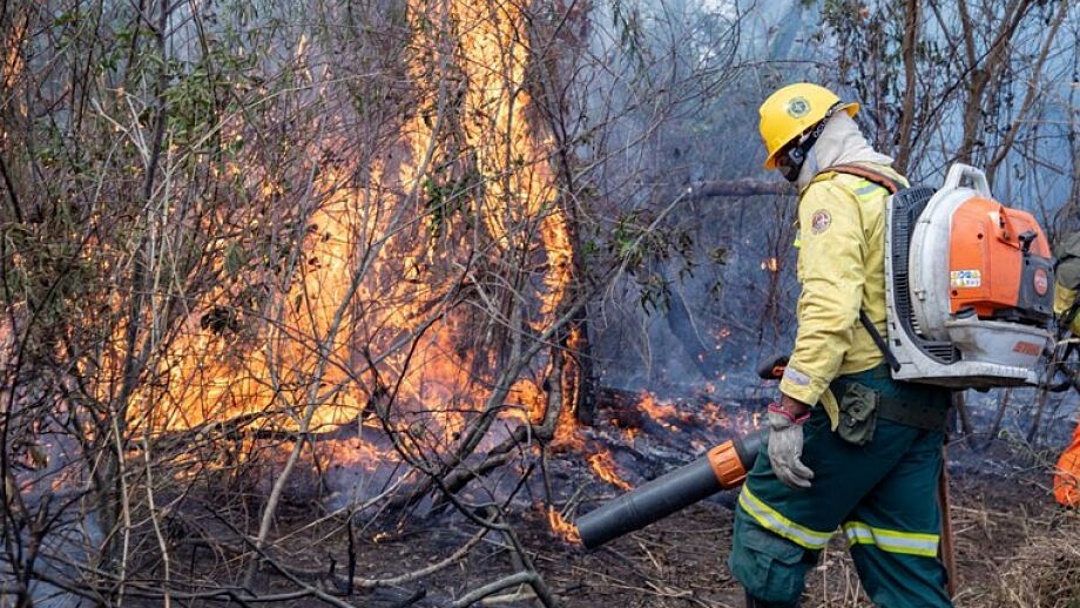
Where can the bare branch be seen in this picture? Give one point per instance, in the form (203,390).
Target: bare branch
(907,106)
(1030,97)
(739,188)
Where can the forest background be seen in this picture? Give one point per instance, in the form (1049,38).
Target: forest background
(285,284)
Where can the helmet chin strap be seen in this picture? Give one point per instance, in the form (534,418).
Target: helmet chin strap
(790,162)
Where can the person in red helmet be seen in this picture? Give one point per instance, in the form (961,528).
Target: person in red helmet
(848,446)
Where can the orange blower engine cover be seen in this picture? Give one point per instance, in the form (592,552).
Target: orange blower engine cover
(999,262)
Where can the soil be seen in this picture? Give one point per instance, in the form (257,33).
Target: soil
(1012,547)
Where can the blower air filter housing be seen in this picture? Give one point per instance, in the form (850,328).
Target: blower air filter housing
(971,297)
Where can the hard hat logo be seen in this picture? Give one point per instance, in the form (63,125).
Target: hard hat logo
(798,107)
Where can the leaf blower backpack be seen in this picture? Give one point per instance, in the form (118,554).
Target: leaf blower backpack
(969,285)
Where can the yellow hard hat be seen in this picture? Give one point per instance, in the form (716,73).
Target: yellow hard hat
(793,109)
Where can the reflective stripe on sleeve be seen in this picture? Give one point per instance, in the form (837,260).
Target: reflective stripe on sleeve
(770,519)
(892,541)
(866,187)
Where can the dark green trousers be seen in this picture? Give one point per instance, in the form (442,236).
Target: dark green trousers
(882,494)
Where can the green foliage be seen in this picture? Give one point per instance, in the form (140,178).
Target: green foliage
(626,18)
(447,196)
(202,94)
(647,249)
(236,259)
(869,51)
(52,280)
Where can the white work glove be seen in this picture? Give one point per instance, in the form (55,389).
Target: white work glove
(785,447)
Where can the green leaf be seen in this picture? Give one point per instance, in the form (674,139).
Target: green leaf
(235,259)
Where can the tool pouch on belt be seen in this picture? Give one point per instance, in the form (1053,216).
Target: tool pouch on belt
(869,396)
(858,414)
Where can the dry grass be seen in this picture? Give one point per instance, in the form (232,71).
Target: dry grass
(1013,546)
(1006,559)
(1046,572)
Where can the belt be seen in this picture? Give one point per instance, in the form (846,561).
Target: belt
(908,406)
(919,416)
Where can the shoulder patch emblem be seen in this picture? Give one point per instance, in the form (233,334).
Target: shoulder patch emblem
(820,221)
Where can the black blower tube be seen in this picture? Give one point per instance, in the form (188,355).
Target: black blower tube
(660,497)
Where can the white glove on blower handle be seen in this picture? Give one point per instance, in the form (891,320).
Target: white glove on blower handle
(785,447)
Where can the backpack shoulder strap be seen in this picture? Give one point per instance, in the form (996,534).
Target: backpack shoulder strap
(872,175)
(879,340)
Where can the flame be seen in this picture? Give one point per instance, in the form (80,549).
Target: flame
(290,361)
(481,40)
(527,402)
(604,467)
(566,530)
(661,413)
(380,262)
(496,59)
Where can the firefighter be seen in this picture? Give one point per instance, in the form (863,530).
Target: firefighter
(1066,305)
(849,447)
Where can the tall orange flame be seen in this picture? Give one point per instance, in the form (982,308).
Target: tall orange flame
(373,286)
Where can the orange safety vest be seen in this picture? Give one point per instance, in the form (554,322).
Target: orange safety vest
(1067,474)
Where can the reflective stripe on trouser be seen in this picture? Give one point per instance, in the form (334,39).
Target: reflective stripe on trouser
(886,493)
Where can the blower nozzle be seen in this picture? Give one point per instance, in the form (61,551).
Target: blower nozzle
(724,467)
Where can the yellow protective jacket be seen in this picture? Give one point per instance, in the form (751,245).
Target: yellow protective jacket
(1063,299)
(841,268)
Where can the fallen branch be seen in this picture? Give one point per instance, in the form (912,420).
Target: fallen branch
(518,578)
(370,583)
(522,436)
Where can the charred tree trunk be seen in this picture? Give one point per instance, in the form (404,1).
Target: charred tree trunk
(580,352)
